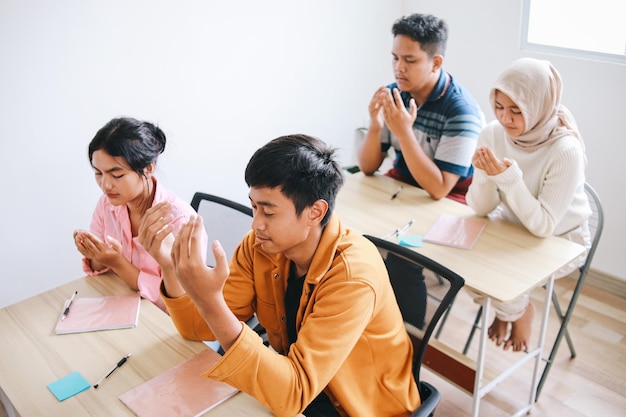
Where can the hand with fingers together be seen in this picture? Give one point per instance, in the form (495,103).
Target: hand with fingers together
(398,119)
(375,109)
(199,281)
(485,159)
(99,253)
(155,233)
(203,284)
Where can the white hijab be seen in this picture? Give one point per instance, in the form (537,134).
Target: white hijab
(535,86)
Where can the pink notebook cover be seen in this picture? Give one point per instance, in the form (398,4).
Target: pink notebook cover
(180,391)
(459,232)
(91,314)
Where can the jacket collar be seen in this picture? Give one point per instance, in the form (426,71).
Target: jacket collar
(326,250)
(324,254)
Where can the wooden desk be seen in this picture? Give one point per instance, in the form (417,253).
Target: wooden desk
(32,356)
(506,262)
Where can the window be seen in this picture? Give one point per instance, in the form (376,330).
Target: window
(580,28)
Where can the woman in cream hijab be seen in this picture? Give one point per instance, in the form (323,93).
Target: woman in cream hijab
(530,170)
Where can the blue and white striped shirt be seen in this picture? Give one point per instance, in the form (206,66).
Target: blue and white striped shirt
(447,128)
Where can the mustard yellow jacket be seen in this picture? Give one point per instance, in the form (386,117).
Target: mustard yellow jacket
(351,338)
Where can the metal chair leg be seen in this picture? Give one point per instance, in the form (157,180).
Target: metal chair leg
(443,322)
(475,326)
(562,332)
(445,315)
(561,316)
(550,360)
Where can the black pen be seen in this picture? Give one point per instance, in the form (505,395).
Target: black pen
(395,194)
(67,308)
(115,368)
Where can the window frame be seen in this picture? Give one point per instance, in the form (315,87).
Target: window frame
(559,50)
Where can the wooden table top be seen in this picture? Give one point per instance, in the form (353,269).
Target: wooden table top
(505,262)
(32,355)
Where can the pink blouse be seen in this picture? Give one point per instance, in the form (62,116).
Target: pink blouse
(110,220)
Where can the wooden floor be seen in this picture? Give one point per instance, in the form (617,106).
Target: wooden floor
(592,384)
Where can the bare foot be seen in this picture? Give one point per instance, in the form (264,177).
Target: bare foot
(521,331)
(498,330)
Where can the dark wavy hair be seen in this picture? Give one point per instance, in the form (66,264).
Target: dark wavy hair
(139,143)
(302,166)
(428,30)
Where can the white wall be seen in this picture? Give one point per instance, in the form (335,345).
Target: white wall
(485,38)
(221,79)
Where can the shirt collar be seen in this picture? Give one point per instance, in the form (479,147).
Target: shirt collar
(441,87)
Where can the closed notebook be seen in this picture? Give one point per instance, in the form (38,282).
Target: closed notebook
(459,232)
(109,312)
(180,391)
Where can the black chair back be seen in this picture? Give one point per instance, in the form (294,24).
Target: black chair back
(224,220)
(424,290)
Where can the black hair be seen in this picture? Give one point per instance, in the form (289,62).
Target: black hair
(302,166)
(139,143)
(428,30)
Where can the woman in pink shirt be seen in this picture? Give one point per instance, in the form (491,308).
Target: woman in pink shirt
(121,238)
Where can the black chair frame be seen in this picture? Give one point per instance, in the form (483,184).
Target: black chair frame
(197,199)
(429,394)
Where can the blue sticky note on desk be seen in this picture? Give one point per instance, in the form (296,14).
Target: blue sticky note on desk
(69,386)
(414,241)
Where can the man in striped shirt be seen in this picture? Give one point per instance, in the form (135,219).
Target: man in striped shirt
(429,119)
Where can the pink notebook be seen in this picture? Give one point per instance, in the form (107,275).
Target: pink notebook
(91,314)
(180,391)
(460,232)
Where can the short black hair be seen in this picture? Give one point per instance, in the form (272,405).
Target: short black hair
(302,166)
(428,30)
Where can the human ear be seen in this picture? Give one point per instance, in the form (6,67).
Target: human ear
(437,62)
(318,210)
(149,169)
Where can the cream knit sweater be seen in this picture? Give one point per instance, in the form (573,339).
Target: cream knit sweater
(543,189)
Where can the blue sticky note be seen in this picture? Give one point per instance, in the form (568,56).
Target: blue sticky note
(68,386)
(414,241)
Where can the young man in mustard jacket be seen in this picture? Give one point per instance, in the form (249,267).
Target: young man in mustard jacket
(320,290)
